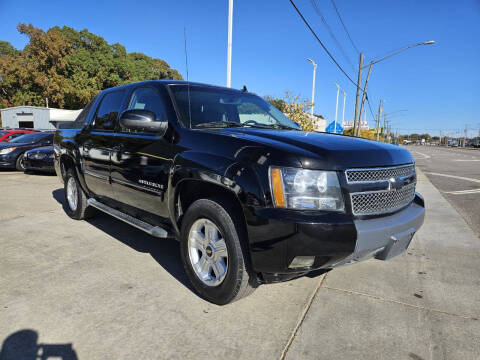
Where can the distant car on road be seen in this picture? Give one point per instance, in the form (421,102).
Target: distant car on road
(39,159)
(8,135)
(12,153)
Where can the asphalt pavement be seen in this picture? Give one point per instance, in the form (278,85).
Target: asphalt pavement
(456,173)
(101,289)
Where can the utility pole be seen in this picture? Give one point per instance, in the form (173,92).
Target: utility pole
(359,80)
(465,136)
(343,111)
(380,109)
(336,109)
(364,96)
(229,46)
(313,84)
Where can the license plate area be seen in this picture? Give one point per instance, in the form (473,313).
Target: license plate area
(397,244)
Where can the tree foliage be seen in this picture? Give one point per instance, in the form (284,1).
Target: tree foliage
(69,67)
(295,108)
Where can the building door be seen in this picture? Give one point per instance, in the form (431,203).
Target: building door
(25,120)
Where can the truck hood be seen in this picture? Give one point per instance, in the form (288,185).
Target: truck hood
(326,151)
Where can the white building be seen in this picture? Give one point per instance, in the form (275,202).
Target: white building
(319,123)
(35,117)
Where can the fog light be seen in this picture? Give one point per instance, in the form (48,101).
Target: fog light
(302,261)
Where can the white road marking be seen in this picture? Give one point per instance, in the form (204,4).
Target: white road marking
(424,155)
(462,192)
(467,160)
(454,177)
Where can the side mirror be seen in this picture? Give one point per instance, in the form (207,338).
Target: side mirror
(142,120)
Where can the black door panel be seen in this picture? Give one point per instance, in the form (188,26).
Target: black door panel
(139,174)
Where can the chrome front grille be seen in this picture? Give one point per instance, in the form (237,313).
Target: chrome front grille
(378,174)
(397,189)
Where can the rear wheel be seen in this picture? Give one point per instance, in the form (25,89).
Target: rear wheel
(76,205)
(213,255)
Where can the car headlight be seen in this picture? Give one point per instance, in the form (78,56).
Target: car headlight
(6,151)
(305,189)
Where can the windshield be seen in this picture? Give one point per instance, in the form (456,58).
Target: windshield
(31,138)
(212,106)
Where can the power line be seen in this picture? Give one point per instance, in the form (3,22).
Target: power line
(321,43)
(319,13)
(344,27)
(330,55)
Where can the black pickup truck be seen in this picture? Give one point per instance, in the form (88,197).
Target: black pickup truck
(251,198)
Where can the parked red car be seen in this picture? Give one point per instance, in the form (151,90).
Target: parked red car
(7,135)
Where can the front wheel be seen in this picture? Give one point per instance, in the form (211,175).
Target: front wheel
(215,260)
(20,163)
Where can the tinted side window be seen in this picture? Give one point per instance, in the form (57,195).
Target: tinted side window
(82,117)
(147,98)
(48,140)
(107,112)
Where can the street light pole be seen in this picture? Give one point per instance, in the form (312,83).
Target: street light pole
(313,83)
(343,111)
(336,109)
(229,46)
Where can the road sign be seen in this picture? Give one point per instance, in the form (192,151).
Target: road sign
(331,128)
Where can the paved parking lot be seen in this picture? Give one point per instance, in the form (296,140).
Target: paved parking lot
(104,290)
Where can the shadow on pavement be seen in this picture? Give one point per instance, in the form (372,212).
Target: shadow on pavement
(22,345)
(166,252)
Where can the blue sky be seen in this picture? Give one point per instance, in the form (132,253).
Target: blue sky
(438,84)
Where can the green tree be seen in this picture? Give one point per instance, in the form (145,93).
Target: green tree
(7,49)
(295,109)
(69,67)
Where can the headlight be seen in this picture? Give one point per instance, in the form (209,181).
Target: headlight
(305,189)
(6,151)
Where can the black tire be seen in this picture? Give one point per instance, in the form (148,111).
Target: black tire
(82,211)
(19,163)
(239,281)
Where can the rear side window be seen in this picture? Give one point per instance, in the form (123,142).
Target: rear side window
(107,112)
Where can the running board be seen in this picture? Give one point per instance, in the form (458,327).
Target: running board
(139,224)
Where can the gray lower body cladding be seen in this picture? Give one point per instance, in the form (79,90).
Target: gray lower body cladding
(385,237)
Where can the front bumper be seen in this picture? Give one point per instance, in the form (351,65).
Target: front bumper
(278,236)
(39,164)
(7,161)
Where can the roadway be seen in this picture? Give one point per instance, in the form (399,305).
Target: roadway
(455,172)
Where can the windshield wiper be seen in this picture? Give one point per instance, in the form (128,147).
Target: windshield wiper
(219,124)
(274,126)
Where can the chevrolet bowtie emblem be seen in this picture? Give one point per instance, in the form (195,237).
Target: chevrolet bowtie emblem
(391,183)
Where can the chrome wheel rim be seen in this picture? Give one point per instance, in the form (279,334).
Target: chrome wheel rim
(208,253)
(22,162)
(72,195)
